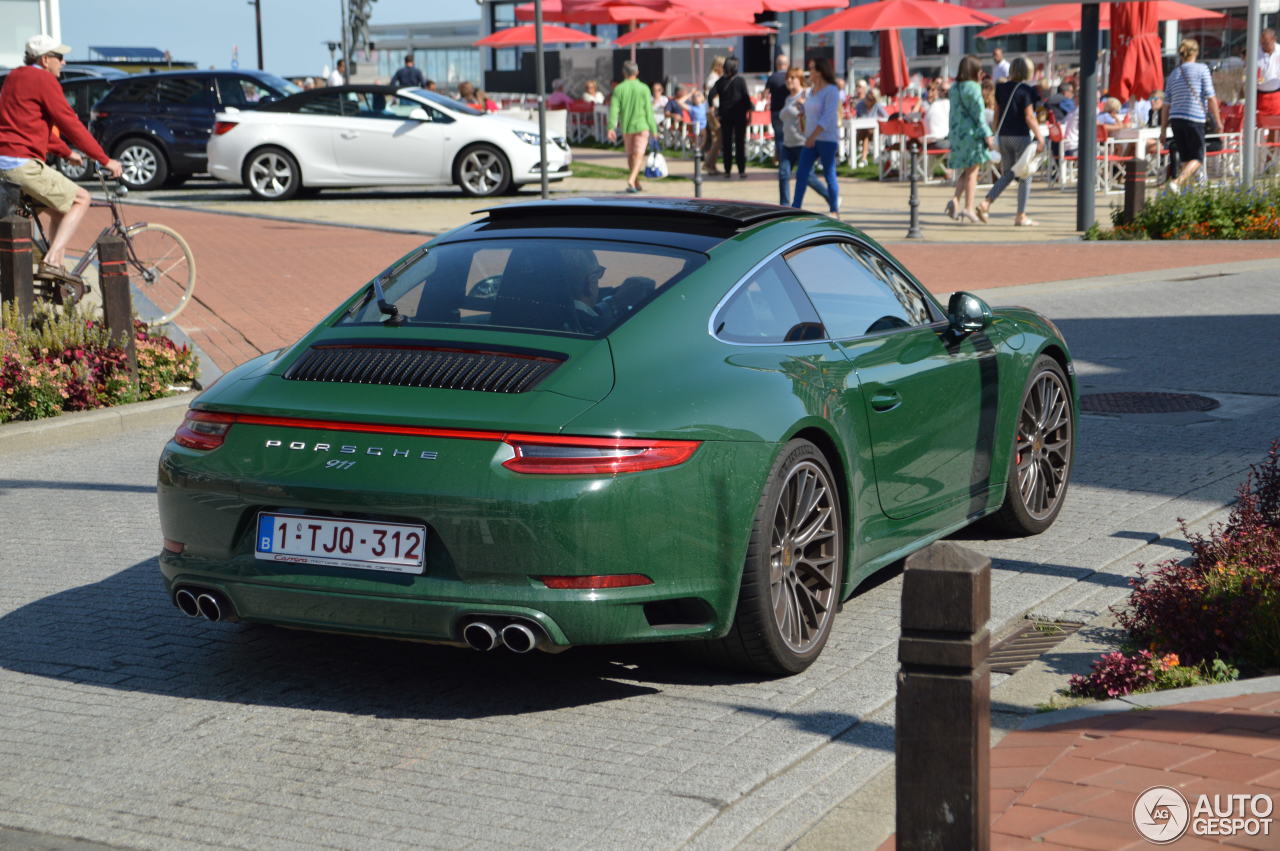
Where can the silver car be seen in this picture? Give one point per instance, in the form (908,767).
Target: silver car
(377,136)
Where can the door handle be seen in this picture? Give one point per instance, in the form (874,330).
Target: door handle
(885,400)
(349,134)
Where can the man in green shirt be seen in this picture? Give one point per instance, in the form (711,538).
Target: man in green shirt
(632,107)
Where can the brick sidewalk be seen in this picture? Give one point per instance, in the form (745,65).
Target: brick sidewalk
(1074,785)
(261,283)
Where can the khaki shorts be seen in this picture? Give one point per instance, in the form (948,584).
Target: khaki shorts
(48,186)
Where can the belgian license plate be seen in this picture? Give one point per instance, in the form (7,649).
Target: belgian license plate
(335,542)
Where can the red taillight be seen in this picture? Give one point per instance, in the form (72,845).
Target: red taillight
(203,430)
(220,127)
(541,453)
(94,114)
(176,547)
(583,583)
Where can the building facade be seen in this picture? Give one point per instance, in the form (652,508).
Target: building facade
(21,19)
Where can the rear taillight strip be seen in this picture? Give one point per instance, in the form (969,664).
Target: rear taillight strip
(206,430)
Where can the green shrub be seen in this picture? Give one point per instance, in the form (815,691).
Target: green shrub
(1232,212)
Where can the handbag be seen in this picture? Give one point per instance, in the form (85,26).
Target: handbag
(1028,162)
(655,164)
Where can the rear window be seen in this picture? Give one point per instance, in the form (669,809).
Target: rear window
(563,286)
(133,91)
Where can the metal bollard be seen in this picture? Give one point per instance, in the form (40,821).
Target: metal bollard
(697,171)
(16,282)
(944,701)
(117,301)
(1135,188)
(913,231)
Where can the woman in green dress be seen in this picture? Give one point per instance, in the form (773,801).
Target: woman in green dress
(969,136)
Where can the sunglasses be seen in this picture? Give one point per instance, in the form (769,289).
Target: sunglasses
(57,56)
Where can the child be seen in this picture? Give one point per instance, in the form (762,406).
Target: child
(697,107)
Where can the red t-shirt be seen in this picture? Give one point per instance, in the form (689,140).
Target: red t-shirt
(31,105)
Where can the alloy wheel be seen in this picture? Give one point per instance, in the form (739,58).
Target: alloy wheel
(139,164)
(803,557)
(482,172)
(271,174)
(1043,450)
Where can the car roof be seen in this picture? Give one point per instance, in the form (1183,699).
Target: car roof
(736,214)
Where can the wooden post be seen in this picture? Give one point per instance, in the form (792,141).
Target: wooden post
(944,701)
(1135,188)
(16,283)
(117,302)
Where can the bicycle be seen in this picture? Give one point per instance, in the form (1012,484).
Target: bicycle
(159,261)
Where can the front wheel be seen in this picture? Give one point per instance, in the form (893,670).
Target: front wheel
(272,174)
(161,267)
(482,170)
(795,562)
(1042,453)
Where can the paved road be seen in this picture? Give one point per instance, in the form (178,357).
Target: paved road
(123,722)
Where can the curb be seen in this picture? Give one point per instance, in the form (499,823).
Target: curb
(1153,700)
(89,425)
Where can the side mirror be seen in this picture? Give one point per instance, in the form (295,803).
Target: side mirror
(419,114)
(967,313)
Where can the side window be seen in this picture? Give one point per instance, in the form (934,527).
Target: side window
(325,103)
(851,299)
(768,308)
(369,105)
(186,91)
(242,91)
(134,91)
(913,301)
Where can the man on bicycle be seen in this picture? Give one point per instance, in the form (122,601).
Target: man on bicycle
(32,105)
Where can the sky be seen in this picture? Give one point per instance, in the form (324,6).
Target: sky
(294,32)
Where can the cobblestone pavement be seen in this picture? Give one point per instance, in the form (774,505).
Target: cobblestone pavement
(123,722)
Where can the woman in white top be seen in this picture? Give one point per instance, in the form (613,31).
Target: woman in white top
(822,133)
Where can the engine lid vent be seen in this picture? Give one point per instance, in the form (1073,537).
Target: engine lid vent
(425,366)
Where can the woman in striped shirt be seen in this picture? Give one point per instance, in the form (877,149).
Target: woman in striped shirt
(1188,93)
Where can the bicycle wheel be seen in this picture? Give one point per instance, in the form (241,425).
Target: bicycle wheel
(162,267)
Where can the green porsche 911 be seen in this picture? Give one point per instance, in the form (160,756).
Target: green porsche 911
(598,420)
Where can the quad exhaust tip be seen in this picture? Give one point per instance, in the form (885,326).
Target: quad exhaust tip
(516,637)
(519,638)
(480,636)
(186,603)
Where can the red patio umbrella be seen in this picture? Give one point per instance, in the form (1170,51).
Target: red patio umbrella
(900,14)
(692,26)
(590,13)
(1136,67)
(894,75)
(1065,17)
(525,36)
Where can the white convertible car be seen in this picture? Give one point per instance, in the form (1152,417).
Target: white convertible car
(377,136)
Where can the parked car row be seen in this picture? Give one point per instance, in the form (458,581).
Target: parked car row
(263,132)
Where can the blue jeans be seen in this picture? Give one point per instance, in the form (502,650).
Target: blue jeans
(1011,147)
(824,152)
(787,159)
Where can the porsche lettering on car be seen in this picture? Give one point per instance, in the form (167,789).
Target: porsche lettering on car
(598,421)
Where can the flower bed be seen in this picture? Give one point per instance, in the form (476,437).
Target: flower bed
(1225,213)
(1210,617)
(55,362)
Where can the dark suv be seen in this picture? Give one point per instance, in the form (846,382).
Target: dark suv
(158,125)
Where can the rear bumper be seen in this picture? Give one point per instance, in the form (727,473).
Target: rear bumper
(491,533)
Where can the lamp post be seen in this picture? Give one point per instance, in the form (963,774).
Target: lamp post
(257,20)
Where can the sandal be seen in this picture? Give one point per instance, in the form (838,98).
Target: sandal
(982,210)
(57,273)
(1026,222)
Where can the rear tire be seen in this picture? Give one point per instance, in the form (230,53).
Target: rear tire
(145,167)
(791,580)
(272,174)
(1040,464)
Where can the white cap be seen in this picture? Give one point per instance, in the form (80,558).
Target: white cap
(39,45)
